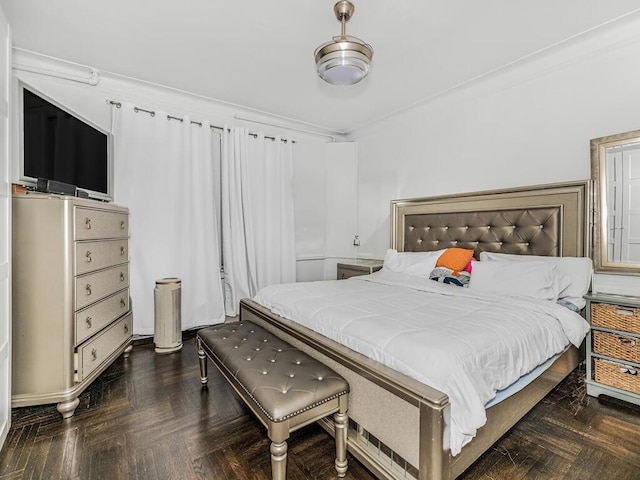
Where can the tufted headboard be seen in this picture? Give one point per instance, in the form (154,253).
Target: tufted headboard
(549,220)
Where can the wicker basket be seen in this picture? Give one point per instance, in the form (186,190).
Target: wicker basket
(615,317)
(617,375)
(617,346)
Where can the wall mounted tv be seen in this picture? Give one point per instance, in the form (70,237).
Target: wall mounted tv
(60,145)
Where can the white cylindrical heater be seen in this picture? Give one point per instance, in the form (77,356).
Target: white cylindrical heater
(168,304)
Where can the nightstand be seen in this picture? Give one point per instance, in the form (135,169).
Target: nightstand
(613,347)
(360,266)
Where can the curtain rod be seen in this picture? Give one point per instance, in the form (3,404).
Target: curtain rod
(310,132)
(212,127)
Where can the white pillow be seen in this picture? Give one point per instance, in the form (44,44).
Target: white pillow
(411,263)
(535,280)
(578,269)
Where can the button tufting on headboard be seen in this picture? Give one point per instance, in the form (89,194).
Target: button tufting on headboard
(531,231)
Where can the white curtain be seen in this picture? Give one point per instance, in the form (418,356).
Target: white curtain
(257,214)
(164,173)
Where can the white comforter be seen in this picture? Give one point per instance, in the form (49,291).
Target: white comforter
(466,345)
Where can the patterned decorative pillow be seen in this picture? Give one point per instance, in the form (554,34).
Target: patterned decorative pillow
(446,275)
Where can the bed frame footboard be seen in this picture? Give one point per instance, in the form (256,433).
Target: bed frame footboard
(380,398)
(411,419)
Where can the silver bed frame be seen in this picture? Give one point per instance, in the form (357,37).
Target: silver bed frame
(408,420)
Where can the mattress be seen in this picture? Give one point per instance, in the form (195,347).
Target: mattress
(467,345)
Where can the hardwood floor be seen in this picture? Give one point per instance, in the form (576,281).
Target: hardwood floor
(148,418)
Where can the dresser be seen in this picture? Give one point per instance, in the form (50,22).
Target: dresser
(70,300)
(613,347)
(360,266)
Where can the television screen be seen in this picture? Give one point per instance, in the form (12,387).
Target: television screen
(58,145)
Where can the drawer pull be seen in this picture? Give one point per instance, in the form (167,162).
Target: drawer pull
(126,328)
(94,355)
(122,276)
(123,303)
(88,256)
(122,250)
(87,223)
(122,224)
(88,289)
(626,341)
(88,322)
(623,311)
(629,370)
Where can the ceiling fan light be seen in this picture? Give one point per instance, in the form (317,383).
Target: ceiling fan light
(345,60)
(343,71)
(342,67)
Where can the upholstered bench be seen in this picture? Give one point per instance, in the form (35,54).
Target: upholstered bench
(284,387)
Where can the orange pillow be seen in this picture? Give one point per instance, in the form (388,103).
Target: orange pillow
(455,259)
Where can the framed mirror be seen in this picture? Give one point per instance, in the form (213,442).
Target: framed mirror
(615,170)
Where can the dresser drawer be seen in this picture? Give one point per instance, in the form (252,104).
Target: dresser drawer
(92,287)
(616,346)
(92,256)
(618,375)
(615,317)
(90,224)
(94,318)
(96,350)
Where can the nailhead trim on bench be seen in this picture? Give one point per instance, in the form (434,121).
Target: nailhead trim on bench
(297,412)
(209,350)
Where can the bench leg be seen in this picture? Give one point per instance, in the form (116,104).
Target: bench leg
(204,378)
(341,422)
(279,461)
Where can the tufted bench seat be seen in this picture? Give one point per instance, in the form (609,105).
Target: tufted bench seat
(284,387)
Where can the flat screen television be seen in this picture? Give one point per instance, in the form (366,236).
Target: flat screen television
(58,144)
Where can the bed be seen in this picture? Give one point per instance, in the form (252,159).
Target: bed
(401,427)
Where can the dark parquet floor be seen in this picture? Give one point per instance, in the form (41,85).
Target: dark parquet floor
(147,418)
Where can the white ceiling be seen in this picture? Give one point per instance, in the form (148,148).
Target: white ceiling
(259,54)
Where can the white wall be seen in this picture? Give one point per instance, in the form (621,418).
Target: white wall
(5,230)
(528,124)
(341,200)
(329,239)
(90,102)
(310,211)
